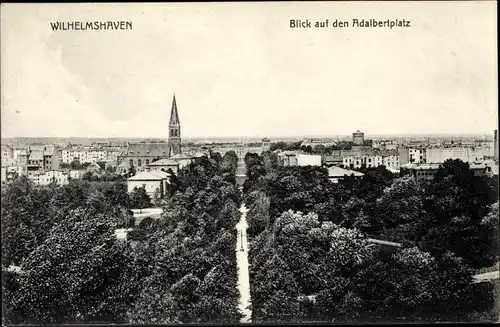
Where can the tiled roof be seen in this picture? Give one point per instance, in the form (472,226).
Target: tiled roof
(164,162)
(150,175)
(341,172)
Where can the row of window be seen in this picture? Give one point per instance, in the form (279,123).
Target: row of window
(139,162)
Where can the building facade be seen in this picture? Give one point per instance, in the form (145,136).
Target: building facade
(441,154)
(417,155)
(241,150)
(151,181)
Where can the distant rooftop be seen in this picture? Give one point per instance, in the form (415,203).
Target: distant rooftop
(341,172)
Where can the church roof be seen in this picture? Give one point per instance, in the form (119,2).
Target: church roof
(174,115)
(147,150)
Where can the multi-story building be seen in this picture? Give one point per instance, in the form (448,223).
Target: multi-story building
(335,159)
(387,159)
(295,158)
(441,154)
(7,153)
(44,157)
(427,171)
(404,155)
(385,144)
(241,150)
(17,150)
(53,176)
(287,158)
(112,155)
(91,154)
(417,155)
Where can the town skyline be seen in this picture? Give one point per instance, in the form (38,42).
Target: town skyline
(257,78)
(456,137)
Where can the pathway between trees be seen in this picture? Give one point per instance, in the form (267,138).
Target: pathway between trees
(242,261)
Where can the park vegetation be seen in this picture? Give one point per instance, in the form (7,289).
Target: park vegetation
(180,268)
(312,259)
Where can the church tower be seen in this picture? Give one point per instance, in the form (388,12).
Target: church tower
(174,134)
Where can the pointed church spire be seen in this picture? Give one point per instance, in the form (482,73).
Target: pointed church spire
(174,115)
(174,135)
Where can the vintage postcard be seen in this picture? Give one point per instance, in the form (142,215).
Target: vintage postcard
(250,162)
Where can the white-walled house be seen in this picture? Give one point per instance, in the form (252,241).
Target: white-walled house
(151,180)
(308,159)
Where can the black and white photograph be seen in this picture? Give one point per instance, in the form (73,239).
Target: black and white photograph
(231,163)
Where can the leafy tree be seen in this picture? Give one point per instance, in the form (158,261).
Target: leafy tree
(157,198)
(131,170)
(490,221)
(457,202)
(270,161)
(110,169)
(229,162)
(139,198)
(116,193)
(258,214)
(76,262)
(25,219)
(216,156)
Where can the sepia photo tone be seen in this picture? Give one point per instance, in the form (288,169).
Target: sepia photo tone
(271,162)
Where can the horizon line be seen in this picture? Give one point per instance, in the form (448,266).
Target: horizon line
(367,136)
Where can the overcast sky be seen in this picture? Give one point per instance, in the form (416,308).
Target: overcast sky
(238,69)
